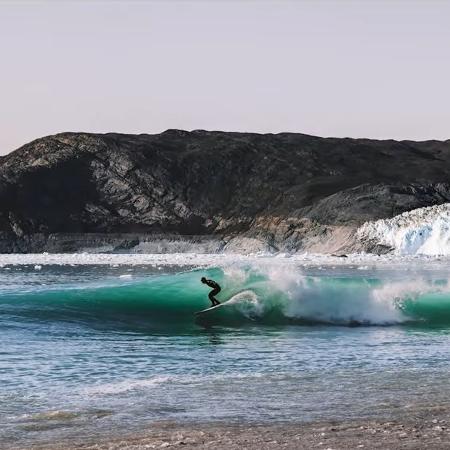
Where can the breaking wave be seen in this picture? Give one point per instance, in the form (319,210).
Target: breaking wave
(264,295)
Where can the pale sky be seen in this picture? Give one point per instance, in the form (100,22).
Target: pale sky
(377,69)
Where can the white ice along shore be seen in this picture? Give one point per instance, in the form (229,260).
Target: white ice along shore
(357,261)
(422,231)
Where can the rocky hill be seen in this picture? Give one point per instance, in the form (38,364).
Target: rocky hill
(247,191)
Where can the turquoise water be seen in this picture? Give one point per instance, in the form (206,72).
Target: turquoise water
(92,350)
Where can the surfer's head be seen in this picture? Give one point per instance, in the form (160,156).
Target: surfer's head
(203,280)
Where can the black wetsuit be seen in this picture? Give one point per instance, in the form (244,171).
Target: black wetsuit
(214,292)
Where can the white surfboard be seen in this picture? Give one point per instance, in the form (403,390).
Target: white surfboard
(204,311)
(232,300)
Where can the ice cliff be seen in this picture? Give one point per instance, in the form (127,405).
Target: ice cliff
(422,231)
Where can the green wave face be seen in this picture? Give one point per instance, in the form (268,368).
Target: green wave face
(253,297)
(433,308)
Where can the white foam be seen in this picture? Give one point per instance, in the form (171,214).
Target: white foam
(338,300)
(124,386)
(248,304)
(119,387)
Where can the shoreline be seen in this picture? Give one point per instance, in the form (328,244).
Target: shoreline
(360,261)
(406,421)
(424,429)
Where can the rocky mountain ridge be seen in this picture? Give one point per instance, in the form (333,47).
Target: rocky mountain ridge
(248,191)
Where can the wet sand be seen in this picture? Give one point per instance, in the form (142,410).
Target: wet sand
(428,429)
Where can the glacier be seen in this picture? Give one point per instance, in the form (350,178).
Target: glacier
(422,231)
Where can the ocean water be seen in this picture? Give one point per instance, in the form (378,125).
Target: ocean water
(107,347)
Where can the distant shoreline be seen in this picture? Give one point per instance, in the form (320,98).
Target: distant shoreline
(359,261)
(287,192)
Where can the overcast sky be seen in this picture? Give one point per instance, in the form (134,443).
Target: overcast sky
(330,68)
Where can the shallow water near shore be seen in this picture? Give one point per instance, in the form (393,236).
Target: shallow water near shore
(89,350)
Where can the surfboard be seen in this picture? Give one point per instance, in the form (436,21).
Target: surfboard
(203,311)
(230,301)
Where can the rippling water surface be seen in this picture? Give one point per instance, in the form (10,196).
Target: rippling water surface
(91,350)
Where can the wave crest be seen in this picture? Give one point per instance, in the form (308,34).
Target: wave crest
(267,294)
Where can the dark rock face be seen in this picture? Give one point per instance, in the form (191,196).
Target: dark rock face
(283,189)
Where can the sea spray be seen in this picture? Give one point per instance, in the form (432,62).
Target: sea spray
(285,294)
(269,294)
(86,351)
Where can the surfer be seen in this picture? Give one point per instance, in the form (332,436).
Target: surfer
(214,292)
